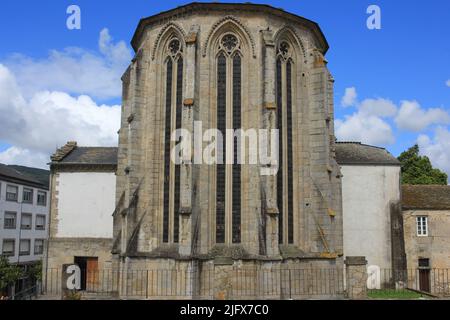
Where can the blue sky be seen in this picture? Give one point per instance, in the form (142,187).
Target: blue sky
(399,73)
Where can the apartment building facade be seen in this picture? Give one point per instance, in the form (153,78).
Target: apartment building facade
(24,209)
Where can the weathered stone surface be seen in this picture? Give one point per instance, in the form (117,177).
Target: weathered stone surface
(317,235)
(356,277)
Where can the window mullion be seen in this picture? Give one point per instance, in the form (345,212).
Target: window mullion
(284,151)
(172,144)
(229,153)
(167,162)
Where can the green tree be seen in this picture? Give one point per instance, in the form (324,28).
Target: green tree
(8,273)
(417,169)
(35,271)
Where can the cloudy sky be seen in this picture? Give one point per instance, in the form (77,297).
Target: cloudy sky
(392,85)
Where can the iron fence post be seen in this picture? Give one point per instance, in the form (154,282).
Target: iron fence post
(146,286)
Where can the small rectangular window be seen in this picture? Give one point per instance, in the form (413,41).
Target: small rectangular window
(24,247)
(422,226)
(11,193)
(10,220)
(40,222)
(8,247)
(424,263)
(42,198)
(26,221)
(27,195)
(38,246)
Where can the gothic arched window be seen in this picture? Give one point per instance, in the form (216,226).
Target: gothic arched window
(228,177)
(173,112)
(285,188)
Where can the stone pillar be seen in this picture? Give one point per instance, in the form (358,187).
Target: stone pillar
(356,277)
(185,247)
(398,254)
(269,122)
(223,272)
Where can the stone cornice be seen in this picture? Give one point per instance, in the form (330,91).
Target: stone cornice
(234,252)
(195,7)
(77,167)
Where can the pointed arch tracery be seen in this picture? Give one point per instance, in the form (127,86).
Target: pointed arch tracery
(285,73)
(228,66)
(230,23)
(173,66)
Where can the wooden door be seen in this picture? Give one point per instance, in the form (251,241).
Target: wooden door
(92,274)
(424,280)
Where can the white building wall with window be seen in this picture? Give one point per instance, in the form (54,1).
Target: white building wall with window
(23,221)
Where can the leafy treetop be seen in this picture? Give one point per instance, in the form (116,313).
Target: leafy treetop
(417,169)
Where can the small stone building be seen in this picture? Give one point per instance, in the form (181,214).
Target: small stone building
(426,216)
(227,66)
(82,184)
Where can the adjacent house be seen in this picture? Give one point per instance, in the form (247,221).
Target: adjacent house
(426,216)
(24,208)
(83,185)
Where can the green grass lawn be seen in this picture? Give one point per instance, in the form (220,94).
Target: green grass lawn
(394,294)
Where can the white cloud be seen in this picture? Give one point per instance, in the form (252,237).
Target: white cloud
(448,83)
(24,157)
(46,102)
(364,128)
(366,124)
(412,117)
(349,98)
(36,126)
(74,70)
(378,107)
(437,148)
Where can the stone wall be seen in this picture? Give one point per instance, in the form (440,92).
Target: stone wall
(63,250)
(228,279)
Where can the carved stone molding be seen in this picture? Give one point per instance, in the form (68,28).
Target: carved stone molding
(288,28)
(162,32)
(222,22)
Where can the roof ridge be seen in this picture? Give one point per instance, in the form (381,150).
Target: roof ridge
(104,147)
(360,144)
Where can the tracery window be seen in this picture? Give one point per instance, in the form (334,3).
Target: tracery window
(228,177)
(285,191)
(173,113)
